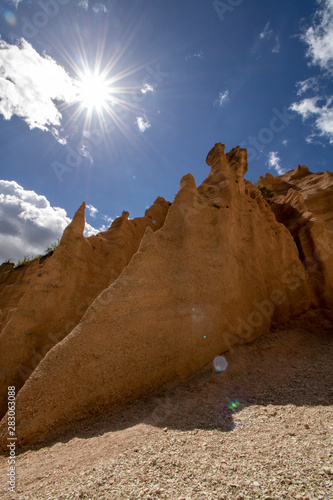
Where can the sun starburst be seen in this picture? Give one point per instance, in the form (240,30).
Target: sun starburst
(94,91)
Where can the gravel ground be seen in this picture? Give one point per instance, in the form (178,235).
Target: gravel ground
(260,429)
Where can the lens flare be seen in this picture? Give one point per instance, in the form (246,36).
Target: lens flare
(220,364)
(234,405)
(10,17)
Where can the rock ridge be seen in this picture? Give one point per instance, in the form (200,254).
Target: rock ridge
(56,294)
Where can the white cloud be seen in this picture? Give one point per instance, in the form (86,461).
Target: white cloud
(322,112)
(275,162)
(92,210)
(147,88)
(108,219)
(285,142)
(142,123)
(28,223)
(266,33)
(97,8)
(306,85)
(223,98)
(306,108)
(90,230)
(100,8)
(199,55)
(319,37)
(103,227)
(318,108)
(84,4)
(276,48)
(85,151)
(30,84)
(58,137)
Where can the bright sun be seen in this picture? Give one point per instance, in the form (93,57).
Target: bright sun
(94,91)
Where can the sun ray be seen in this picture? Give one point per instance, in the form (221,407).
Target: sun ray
(101,92)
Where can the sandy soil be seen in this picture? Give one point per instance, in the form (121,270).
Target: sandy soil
(261,429)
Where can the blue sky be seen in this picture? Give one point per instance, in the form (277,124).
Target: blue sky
(112,102)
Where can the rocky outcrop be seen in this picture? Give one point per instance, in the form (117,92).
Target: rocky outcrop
(54,297)
(13,283)
(219,271)
(303,202)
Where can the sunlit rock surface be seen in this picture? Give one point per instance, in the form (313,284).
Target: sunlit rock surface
(303,202)
(156,298)
(53,296)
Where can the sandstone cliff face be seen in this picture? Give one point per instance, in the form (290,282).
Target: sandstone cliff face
(13,284)
(219,271)
(303,202)
(55,296)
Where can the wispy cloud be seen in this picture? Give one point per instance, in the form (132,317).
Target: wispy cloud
(198,55)
(147,88)
(285,142)
(272,41)
(274,162)
(306,85)
(84,149)
(222,98)
(108,219)
(267,32)
(319,37)
(30,84)
(276,48)
(92,211)
(99,8)
(84,4)
(142,123)
(96,215)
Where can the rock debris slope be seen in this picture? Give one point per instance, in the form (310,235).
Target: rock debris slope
(220,270)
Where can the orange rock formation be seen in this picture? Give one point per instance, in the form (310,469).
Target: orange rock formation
(51,301)
(113,316)
(303,202)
